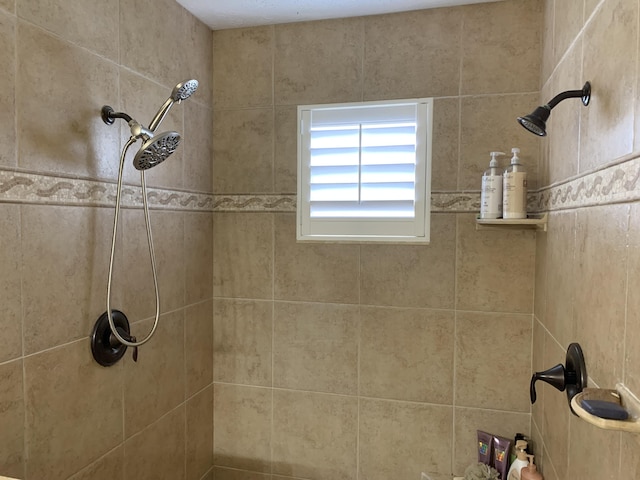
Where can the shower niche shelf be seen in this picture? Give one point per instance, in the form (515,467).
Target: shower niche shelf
(620,395)
(537,222)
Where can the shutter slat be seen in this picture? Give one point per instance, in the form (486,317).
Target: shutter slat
(398,209)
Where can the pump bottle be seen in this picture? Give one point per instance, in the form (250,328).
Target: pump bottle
(491,194)
(515,188)
(520,462)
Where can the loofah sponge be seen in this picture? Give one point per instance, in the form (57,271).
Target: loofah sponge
(481,471)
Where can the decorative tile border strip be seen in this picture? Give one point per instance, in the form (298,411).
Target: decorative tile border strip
(19,187)
(617,183)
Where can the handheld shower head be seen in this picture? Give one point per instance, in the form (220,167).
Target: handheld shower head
(156,150)
(180,92)
(184,90)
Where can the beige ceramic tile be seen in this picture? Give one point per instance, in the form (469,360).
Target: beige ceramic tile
(198,58)
(89,24)
(607,124)
(538,445)
(198,254)
(544,145)
(158,451)
(198,346)
(315,347)
(10,285)
(412,54)
(141,99)
(469,420)
(590,6)
(569,21)
(12,455)
(243,255)
(243,338)
(309,54)
(541,270)
(446,144)
(65,259)
(286,150)
(495,56)
(563,126)
(407,354)
(632,329)
(228,474)
(154,384)
(168,243)
(242,433)
(61,91)
(399,439)
(243,67)
(198,147)
(157,50)
(480,382)
(495,268)
(587,439)
(243,151)
(548,59)
(489,124)
(61,422)
(199,435)
(630,453)
(108,467)
(412,275)
(314,435)
(8,94)
(538,365)
(313,272)
(209,475)
(600,288)
(555,425)
(8,5)
(561,282)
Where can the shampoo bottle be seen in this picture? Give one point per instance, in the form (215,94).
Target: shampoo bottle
(520,462)
(515,189)
(491,194)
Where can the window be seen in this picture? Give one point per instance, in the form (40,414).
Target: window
(364,171)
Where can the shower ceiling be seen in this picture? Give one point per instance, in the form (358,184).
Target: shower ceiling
(222,14)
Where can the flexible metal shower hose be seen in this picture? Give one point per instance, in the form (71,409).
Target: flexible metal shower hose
(114,331)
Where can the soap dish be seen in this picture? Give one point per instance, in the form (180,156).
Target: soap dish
(622,396)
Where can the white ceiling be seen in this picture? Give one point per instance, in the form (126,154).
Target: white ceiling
(223,14)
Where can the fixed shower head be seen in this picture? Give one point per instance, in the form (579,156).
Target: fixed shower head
(536,122)
(156,150)
(180,92)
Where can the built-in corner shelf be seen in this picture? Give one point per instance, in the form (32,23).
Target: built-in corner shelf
(620,395)
(537,222)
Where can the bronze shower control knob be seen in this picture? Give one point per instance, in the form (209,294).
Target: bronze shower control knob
(571,378)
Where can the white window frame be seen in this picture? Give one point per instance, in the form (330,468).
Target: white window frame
(367,229)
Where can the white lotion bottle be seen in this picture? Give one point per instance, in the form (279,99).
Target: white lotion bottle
(515,189)
(520,462)
(491,193)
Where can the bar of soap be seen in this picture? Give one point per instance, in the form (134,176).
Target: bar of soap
(604,409)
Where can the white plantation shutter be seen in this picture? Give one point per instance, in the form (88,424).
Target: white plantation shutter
(364,171)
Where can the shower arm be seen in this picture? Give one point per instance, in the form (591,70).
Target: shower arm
(585,94)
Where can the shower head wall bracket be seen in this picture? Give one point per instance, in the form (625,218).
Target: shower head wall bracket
(109,115)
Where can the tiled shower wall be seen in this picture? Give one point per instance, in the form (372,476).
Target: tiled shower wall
(370,361)
(587,275)
(61,414)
